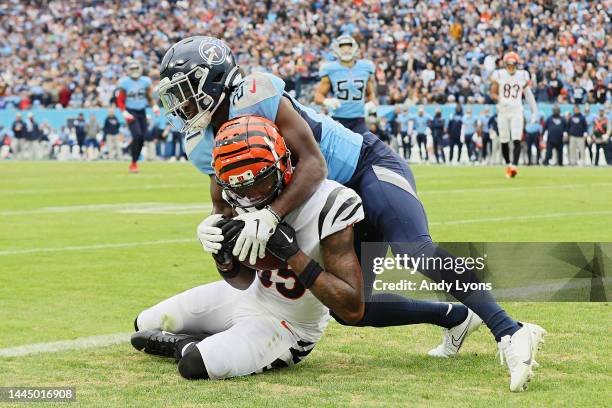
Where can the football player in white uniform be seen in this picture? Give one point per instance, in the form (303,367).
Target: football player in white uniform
(507,89)
(277,320)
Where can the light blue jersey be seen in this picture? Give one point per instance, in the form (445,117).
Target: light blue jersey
(260,94)
(532,127)
(348,86)
(136,92)
(421,123)
(484,120)
(469,124)
(403,118)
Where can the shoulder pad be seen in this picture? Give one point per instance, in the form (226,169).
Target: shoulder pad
(256,88)
(342,208)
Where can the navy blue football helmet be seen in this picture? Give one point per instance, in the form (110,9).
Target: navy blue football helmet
(197,75)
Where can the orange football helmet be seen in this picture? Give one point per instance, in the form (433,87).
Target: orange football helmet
(251,161)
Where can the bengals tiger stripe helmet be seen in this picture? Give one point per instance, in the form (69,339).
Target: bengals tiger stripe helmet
(250,153)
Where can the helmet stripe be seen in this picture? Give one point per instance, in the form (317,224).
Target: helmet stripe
(242,163)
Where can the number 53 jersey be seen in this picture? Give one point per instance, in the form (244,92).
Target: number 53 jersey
(330,209)
(511,89)
(348,85)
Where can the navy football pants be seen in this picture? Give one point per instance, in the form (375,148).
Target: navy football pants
(395,215)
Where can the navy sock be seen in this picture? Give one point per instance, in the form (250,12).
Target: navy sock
(387,309)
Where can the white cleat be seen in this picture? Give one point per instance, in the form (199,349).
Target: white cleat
(453,338)
(518,352)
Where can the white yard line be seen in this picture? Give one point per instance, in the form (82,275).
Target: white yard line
(134,188)
(137,208)
(511,189)
(522,217)
(185,240)
(509,295)
(98,246)
(64,345)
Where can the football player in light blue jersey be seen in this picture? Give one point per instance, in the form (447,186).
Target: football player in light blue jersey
(351,82)
(421,128)
(468,129)
(201,88)
(134,93)
(533,130)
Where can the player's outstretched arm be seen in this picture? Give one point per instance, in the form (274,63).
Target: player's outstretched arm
(310,167)
(371,90)
(340,285)
(494,91)
(151,100)
(322,90)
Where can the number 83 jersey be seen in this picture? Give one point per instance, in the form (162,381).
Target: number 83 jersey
(330,209)
(348,86)
(511,88)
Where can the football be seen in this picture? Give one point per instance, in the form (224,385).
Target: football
(267,263)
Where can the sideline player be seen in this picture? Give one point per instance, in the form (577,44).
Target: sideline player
(223,332)
(352,84)
(134,93)
(205,93)
(508,86)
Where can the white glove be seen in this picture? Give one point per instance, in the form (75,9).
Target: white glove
(370,107)
(127,116)
(534,117)
(331,103)
(156,110)
(258,228)
(209,235)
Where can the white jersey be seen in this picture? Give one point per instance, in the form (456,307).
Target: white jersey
(511,89)
(330,209)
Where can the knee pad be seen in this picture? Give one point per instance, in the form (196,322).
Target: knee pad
(191,366)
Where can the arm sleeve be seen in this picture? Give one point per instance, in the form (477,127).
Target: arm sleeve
(120,98)
(342,208)
(324,70)
(199,150)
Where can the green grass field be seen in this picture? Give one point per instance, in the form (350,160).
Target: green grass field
(85,246)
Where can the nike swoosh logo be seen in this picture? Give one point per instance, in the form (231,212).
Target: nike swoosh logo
(288,239)
(254,88)
(462,335)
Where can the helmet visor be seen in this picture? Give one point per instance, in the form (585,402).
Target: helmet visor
(184,104)
(257,192)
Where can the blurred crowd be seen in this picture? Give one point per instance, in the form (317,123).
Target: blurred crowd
(71,53)
(85,138)
(578,137)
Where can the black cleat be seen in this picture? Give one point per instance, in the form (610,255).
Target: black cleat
(162,343)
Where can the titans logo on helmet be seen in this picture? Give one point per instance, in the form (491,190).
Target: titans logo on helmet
(213,51)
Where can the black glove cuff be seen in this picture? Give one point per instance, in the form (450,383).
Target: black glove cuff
(310,274)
